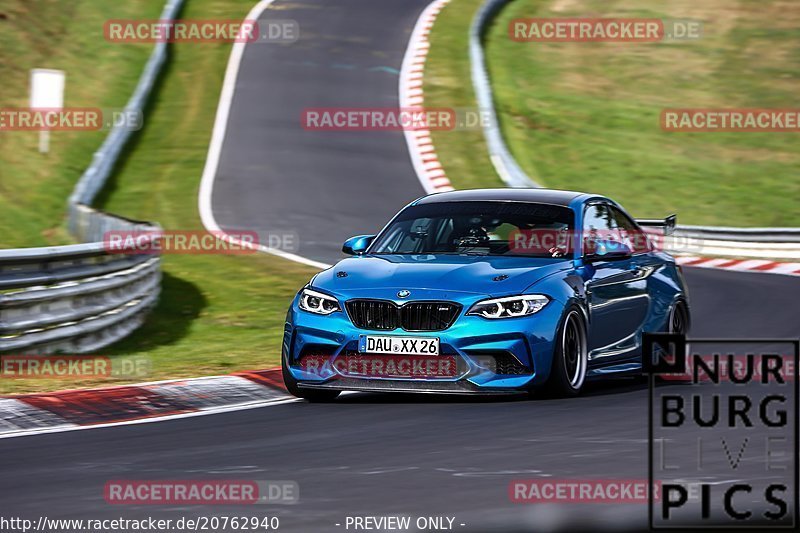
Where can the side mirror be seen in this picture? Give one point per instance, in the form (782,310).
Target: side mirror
(357,245)
(608,250)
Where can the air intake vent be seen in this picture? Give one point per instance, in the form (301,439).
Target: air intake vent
(500,362)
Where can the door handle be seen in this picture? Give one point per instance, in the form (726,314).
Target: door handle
(640,271)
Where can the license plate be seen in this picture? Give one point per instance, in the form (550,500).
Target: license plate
(398,345)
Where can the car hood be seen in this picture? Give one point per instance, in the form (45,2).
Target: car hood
(492,276)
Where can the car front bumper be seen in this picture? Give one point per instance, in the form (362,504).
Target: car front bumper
(493,356)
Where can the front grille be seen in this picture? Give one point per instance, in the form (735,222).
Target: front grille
(374,314)
(384,315)
(428,316)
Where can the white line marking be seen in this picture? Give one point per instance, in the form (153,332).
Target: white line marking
(215,148)
(203,412)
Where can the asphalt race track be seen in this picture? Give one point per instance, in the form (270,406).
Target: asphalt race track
(367,454)
(276,177)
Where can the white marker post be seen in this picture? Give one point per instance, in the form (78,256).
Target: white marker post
(47,92)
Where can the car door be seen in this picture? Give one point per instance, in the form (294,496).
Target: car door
(616,290)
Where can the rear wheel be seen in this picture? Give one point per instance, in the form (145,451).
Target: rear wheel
(678,324)
(679,319)
(312,395)
(570,357)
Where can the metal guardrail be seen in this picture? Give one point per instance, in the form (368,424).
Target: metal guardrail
(103,161)
(80,298)
(761,243)
(72,298)
(504,163)
(776,243)
(764,235)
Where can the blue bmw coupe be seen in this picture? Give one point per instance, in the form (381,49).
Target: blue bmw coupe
(486,291)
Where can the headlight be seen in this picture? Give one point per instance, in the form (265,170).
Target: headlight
(509,307)
(318,303)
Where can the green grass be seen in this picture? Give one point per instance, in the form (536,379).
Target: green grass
(217,314)
(65,35)
(585,116)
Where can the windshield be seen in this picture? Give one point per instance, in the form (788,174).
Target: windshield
(479,228)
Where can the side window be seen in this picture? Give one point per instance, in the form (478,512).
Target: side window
(597,225)
(628,232)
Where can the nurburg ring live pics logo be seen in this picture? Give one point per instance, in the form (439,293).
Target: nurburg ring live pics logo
(723,432)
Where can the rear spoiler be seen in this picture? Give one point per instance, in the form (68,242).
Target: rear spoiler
(667,225)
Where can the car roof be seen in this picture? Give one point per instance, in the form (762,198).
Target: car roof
(545,196)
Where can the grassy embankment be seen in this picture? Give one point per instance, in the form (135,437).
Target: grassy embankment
(585,116)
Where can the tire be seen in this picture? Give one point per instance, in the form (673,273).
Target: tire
(570,356)
(312,395)
(679,320)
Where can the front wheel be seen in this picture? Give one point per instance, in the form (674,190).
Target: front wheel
(570,356)
(312,395)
